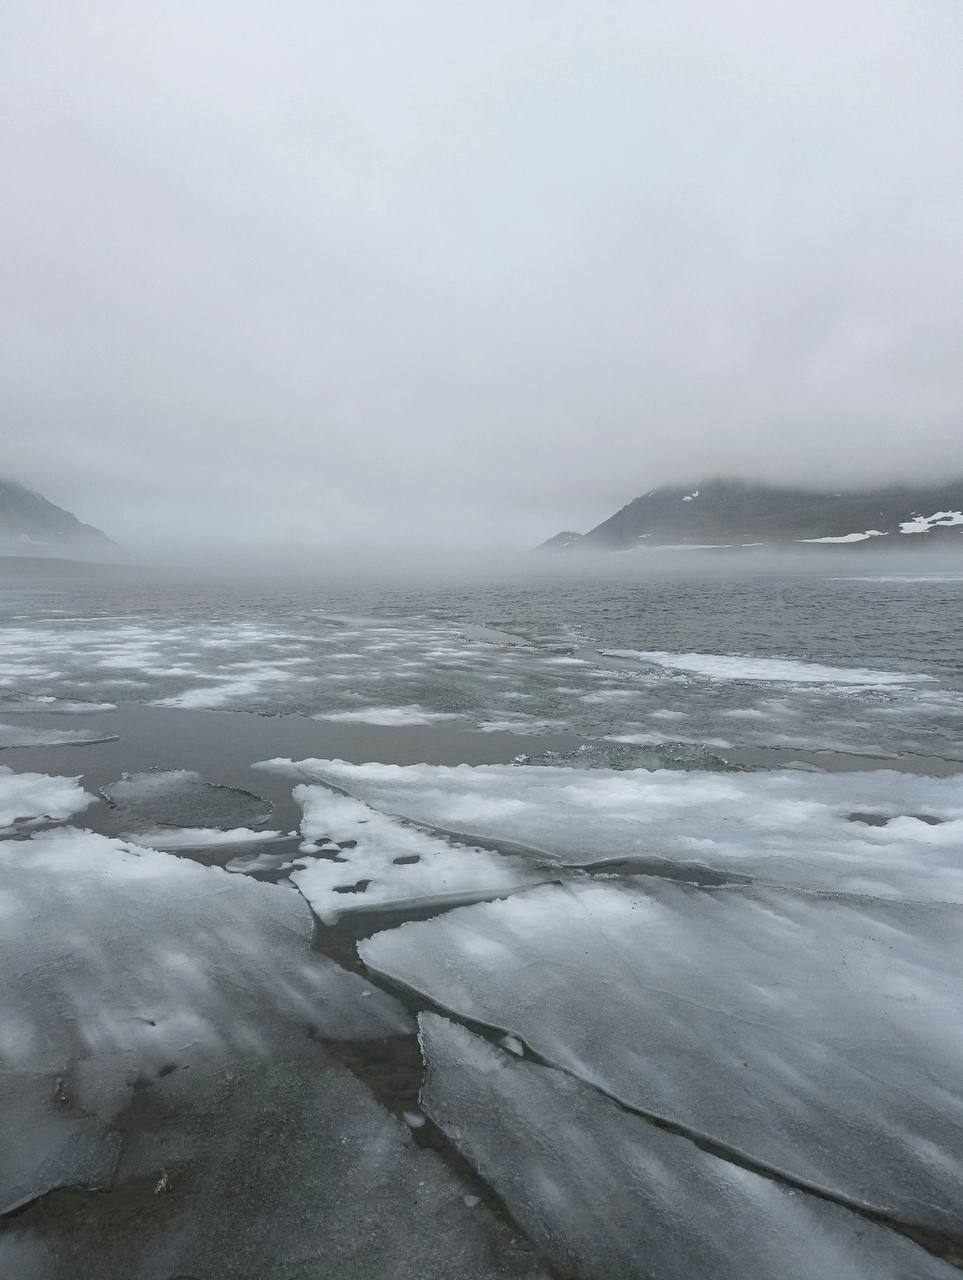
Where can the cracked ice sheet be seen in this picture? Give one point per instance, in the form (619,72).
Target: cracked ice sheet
(599,1190)
(35,796)
(787,827)
(120,961)
(818,1036)
(434,869)
(115,949)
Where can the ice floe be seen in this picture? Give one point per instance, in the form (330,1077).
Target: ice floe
(382,861)
(607,1194)
(120,962)
(53,706)
(114,949)
(182,798)
(25,735)
(816,1036)
(785,670)
(403,715)
(171,838)
(33,796)
(787,827)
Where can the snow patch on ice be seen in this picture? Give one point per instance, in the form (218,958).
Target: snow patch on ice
(32,796)
(786,827)
(383,860)
(938,520)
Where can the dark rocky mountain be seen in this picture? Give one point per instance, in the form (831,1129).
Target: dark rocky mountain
(561,540)
(32,526)
(718,514)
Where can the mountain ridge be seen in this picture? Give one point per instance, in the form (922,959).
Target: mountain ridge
(32,525)
(719,514)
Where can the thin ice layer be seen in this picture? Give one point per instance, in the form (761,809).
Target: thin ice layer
(600,1190)
(816,1035)
(47,1141)
(380,860)
(181,797)
(272,1170)
(790,827)
(33,796)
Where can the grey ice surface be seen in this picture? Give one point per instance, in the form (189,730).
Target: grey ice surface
(817,1035)
(609,1195)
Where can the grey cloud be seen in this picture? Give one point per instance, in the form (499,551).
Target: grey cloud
(344,273)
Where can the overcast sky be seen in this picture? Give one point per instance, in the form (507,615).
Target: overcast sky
(472,271)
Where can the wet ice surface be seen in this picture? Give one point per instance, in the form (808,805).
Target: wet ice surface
(26,797)
(257,1083)
(608,1194)
(366,859)
(790,827)
(819,1037)
(48,1141)
(285,1169)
